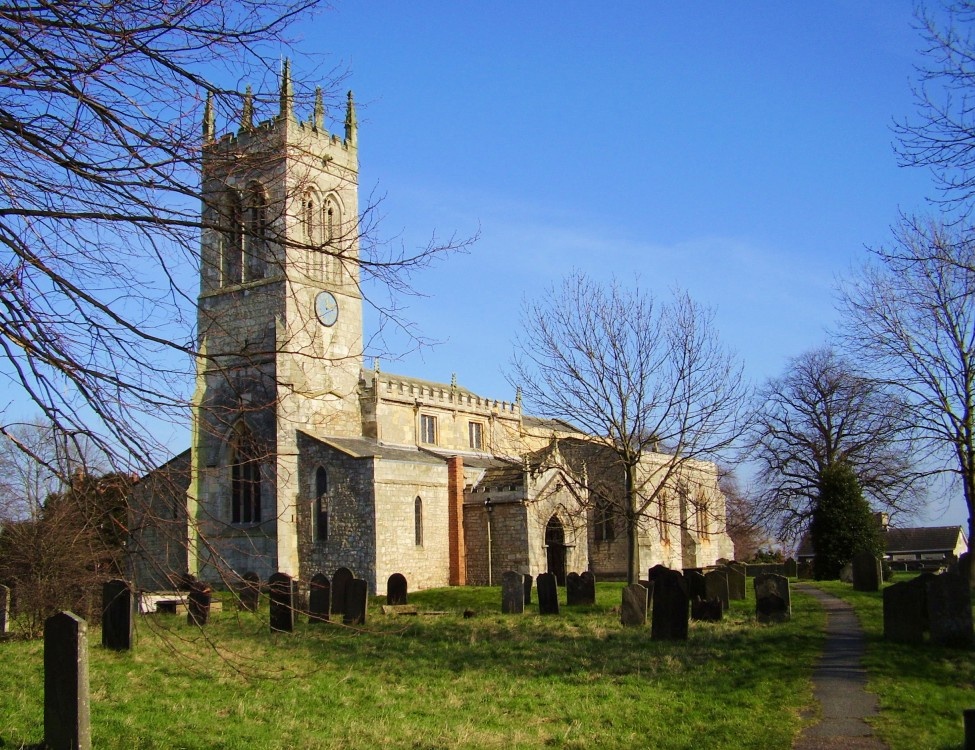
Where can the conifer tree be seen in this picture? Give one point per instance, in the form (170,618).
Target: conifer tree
(842,523)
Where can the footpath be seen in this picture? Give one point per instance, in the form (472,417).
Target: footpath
(839,683)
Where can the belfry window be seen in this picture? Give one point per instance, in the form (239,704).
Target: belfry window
(245,478)
(321,504)
(231,239)
(256,244)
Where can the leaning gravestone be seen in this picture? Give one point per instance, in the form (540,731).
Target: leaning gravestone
(118,615)
(356,600)
(587,591)
(904,607)
(706,610)
(790,568)
(396,589)
(548,594)
(670,607)
(773,602)
(737,586)
(250,594)
(198,604)
(67,706)
(950,611)
(282,613)
(573,588)
(633,610)
(716,587)
(694,580)
(867,575)
(528,588)
(512,593)
(4,608)
(340,580)
(319,598)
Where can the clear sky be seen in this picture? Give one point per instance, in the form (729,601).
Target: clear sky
(743,151)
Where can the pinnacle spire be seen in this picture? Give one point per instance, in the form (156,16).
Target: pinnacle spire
(350,121)
(209,119)
(247,110)
(286,96)
(319,116)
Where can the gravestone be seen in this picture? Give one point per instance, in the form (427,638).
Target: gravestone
(250,594)
(804,571)
(670,607)
(67,706)
(587,591)
(965,566)
(633,610)
(905,605)
(340,580)
(282,595)
(657,570)
(773,602)
(512,593)
(694,580)
(950,611)
(867,575)
(791,568)
(356,600)
(4,608)
(573,586)
(319,598)
(716,587)
(528,588)
(548,594)
(198,604)
(118,615)
(706,610)
(396,589)
(737,584)
(740,567)
(846,573)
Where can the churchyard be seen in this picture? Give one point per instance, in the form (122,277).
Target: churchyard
(440,679)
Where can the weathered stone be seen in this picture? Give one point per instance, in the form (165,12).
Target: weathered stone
(905,605)
(633,610)
(773,601)
(396,589)
(67,706)
(670,607)
(249,596)
(790,568)
(4,608)
(950,611)
(737,583)
(356,602)
(548,594)
(118,615)
(573,587)
(340,580)
(707,610)
(198,604)
(716,587)
(528,588)
(319,598)
(282,595)
(694,580)
(846,573)
(512,593)
(587,590)
(867,574)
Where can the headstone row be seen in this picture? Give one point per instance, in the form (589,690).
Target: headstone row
(940,605)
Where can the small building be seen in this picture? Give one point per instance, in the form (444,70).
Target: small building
(918,548)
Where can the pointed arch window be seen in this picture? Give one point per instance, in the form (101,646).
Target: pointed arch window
(245,478)
(418,522)
(321,504)
(231,239)
(257,241)
(605,527)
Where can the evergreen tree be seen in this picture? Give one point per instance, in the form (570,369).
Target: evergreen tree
(842,523)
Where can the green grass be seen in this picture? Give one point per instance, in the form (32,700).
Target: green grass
(578,680)
(922,690)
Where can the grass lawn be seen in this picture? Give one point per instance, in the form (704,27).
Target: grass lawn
(922,689)
(578,680)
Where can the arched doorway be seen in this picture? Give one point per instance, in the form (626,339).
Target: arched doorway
(555,548)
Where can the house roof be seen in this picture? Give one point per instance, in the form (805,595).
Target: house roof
(369,448)
(902,541)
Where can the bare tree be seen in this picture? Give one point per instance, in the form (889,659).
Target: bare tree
(941,137)
(910,317)
(821,412)
(638,377)
(743,517)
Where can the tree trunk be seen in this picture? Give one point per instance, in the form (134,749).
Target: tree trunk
(632,528)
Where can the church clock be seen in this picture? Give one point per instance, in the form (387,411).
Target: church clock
(326,308)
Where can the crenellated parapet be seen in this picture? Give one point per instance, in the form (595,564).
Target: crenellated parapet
(380,386)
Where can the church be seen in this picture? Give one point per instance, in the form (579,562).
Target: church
(304,460)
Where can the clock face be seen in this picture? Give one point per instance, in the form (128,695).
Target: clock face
(326,308)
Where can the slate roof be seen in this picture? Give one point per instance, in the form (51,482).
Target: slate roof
(369,448)
(905,541)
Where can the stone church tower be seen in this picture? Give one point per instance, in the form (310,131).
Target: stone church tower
(280,327)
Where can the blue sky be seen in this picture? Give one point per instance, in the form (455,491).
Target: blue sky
(743,151)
